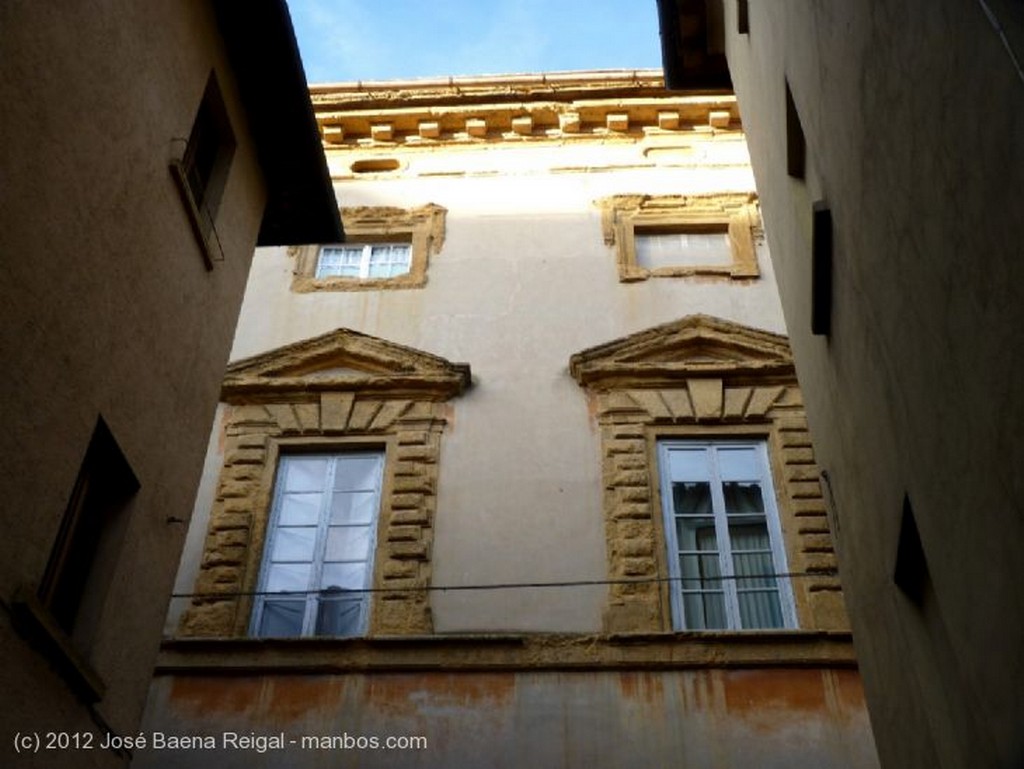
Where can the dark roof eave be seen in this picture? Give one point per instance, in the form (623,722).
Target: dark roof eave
(260,40)
(687,63)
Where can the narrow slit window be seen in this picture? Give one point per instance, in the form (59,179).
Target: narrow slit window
(911,572)
(796,143)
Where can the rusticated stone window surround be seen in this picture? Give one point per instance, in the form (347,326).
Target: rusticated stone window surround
(701,378)
(623,217)
(341,391)
(423,228)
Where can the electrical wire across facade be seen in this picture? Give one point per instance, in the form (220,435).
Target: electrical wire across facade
(516,585)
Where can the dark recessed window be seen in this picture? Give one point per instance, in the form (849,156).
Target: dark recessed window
(911,572)
(742,17)
(821,269)
(796,144)
(85,553)
(203,169)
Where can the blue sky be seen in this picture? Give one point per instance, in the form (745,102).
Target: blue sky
(388,39)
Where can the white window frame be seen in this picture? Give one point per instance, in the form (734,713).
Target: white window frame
(365,260)
(312,594)
(729,583)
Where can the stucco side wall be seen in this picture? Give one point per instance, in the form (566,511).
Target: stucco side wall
(106,308)
(721,718)
(913,116)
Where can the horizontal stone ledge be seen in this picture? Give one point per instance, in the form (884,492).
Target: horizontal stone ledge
(540,651)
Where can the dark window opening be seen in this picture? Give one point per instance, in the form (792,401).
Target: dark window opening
(85,553)
(796,144)
(821,269)
(203,170)
(742,17)
(911,573)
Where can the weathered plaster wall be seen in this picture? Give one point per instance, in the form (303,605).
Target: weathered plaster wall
(913,116)
(106,308)
(768,719)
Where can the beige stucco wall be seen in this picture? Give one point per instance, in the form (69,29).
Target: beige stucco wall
(523,281)
(913,116)
(106,308)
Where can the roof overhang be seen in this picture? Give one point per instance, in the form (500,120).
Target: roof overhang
(693,45)
(261,46)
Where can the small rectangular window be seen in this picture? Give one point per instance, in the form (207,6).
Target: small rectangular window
(318,561)
(726,560)
(683,249)
(364,261)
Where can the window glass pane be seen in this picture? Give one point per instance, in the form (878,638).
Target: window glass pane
(691,498)
(281,619)
(348,543)
(342,261)
(688,465)
(353,507)
(700,572)
(357,473)
(696,534)
(749,537)
(760,609)
(294,543)
(738,464)
(299,509)
(752,556)
(388,260)
(339,614)
(704,611)
(349,576)
(753,570)
(305,473)
(682,249)
(287,577)
(742,498)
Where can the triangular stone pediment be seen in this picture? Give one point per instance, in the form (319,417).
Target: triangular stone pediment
(697,345)
(345,360)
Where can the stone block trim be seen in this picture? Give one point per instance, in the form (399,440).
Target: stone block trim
(704,378)
(422,227)
(734,214)
(269,411)
(237,529)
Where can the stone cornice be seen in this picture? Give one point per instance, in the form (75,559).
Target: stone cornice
(573,105)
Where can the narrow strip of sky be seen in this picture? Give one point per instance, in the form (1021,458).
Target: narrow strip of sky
(345,40)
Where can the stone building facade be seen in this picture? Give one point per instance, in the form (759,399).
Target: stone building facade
(522,468)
